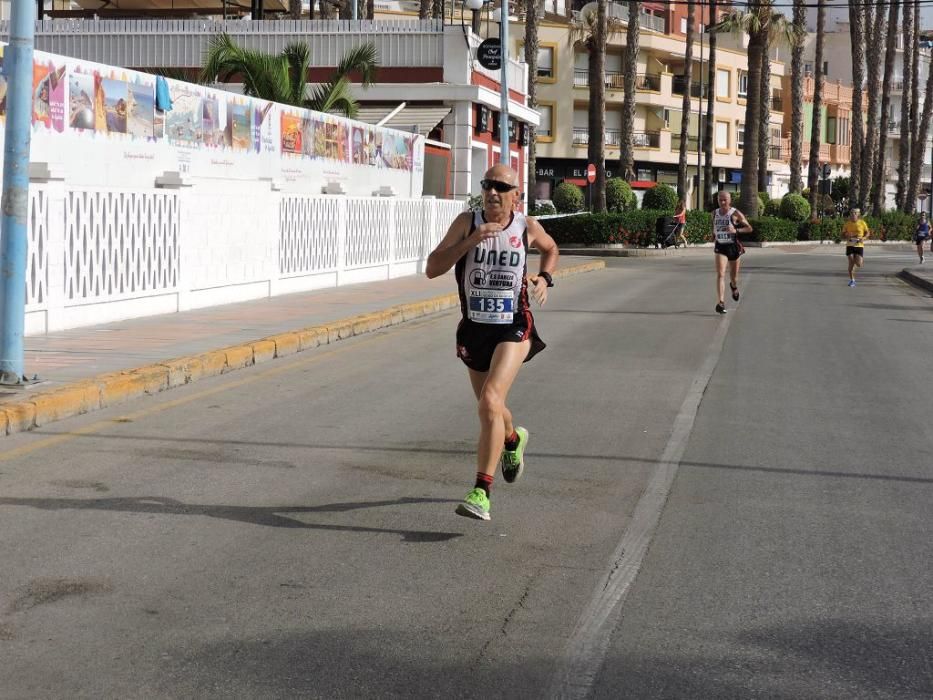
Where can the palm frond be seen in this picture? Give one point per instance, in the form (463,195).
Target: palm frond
(363,60)
(298,57)
(333,96)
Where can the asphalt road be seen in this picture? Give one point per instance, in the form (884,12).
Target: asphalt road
(713,507)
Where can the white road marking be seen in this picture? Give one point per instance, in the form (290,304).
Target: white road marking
(586,650)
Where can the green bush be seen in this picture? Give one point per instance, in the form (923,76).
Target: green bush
(543,209)
(660,197)
(841,187)
(699,226)
(769,228)
(631,227)
(898,226)
(795,208)
(772,208)
(619,195)
(475,202)
(737,201)
(827,205)
(828,229)
(568,198)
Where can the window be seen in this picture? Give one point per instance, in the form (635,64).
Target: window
(546,129)
(723,78)
(545,61)
(739,136)
(808,68)
(722,136)
(683,25)
(743,84)
(842,131)
(644,175)
(831,130)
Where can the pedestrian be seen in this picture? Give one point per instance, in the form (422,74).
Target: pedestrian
(856,232)
(680,217)
(728,222)
(922,234)
(497,334)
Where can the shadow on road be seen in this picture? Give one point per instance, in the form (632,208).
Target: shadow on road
(267,516)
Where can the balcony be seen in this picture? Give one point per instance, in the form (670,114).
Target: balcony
(824,151)
(679,83)
(840,154)
(650,82)
(894,127)
(615,80)
(833,92)
(619,11)
(777,101)
(613,138)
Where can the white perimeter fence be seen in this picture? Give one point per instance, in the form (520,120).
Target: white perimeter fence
(99,255)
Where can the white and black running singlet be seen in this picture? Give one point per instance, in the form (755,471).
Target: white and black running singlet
(492,276)
(721,224)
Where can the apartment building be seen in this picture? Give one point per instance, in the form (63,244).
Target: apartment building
(837,65)
(563,103)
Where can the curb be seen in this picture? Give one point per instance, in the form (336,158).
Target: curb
(114,388)
(916,280)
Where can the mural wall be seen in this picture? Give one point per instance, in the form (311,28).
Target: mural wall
(101,126)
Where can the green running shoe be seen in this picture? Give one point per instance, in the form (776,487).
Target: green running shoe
(513,462)
(475,505)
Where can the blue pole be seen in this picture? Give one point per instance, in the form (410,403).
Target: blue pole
(504,143)
(17,68)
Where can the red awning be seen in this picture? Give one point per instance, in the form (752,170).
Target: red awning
(642,184)
(581,181)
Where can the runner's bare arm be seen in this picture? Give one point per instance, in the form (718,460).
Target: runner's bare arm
(455,244)
(540,239)
(744,226)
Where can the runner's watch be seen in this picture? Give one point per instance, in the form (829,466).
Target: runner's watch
(547,278)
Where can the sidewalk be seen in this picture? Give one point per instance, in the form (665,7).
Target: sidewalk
(920,276)
(87,369)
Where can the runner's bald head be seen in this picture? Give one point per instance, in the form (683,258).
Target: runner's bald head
(502,173)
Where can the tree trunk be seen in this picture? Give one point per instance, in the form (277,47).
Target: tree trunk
(627,155)
(686,107)
(370,9)
(597,111)
(424,9)
(796,111)
(531,59)
(757,44)
(917,148)
(903,156)
(813,167)
(879,191)
(916,162)
(437,11)
(764,125)
(708,184)
(294,9)
(875,29)
(857,145)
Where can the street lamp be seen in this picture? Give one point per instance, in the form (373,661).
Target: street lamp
(474,6)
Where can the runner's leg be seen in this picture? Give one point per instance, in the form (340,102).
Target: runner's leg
(478,379)
(506,361)
(721,261)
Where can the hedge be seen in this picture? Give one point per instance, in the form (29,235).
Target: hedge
(890,226)
(631,227)
(619,195)
(568,198)
(661,197)
(772,228)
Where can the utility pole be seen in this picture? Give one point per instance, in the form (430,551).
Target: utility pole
(17,68)
(504,141)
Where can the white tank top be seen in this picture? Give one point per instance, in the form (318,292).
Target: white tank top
(721,224)
(491,276)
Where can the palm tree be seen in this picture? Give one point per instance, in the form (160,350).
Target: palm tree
(875,30)
(764,123)
(918,147)
(903,156)
(880,177)
(916,159)
(705,194)
(591,30)
(531,59)
(283,78)
(857,37)
(627,146)
(424,9)
(686,107)
(763,26)
(813,166)
(294,9)
(796,73)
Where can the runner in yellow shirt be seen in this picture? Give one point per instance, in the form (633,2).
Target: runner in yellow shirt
(855,231)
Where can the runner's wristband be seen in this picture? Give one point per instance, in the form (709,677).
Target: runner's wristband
(547,278)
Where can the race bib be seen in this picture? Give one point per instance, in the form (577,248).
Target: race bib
(491,305)
(723,236)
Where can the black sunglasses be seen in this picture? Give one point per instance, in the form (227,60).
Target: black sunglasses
(496,185)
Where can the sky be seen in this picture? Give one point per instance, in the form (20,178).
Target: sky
(838,9)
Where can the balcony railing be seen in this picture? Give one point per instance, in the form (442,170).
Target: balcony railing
(619,11)
(615,80)
(679,83)
(646,139)
(648,81)
(894,126)
(612,137)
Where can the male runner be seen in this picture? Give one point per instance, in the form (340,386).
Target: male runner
(922,234)
(728,222)
(855,231)
(497,332)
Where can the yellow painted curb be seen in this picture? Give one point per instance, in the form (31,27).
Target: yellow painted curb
(118,387)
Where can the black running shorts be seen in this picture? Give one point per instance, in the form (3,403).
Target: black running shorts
(732,251)
(476,342)
(855,250)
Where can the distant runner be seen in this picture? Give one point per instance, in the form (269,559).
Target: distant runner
(728,222)
(922,235)
(856,232)
(497,332)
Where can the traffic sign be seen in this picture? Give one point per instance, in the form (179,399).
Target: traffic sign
(591,173)
(489,54)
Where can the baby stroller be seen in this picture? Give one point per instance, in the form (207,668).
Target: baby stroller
(666,229)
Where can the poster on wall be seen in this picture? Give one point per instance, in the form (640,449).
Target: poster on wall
(291,133)
(184,125)
(48,95)
(81,101)
(239,130)
(141,109)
